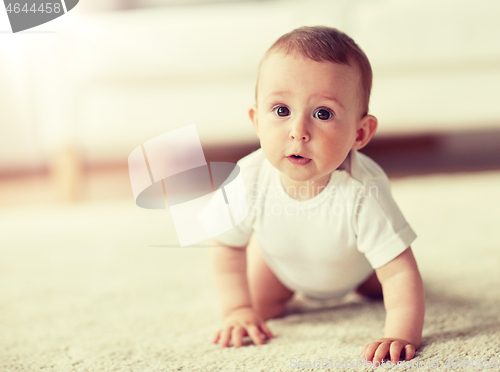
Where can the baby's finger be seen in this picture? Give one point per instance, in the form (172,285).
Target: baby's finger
(215,337)
(381,352)
(225,335)
(370,350)
(363,351)
(254,334)
(395,351)
(409,352)
(237,336)
(266,330)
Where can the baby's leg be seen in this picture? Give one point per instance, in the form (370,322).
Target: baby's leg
(269,296)
(371,287)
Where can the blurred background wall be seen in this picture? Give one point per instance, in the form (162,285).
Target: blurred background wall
(78,94)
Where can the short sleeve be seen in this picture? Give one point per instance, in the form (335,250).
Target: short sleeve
(382,233)
(240,234)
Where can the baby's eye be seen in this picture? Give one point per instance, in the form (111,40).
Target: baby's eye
(323,114)
(281,111)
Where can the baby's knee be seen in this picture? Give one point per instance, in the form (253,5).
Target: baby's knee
(371,288)
(269,309)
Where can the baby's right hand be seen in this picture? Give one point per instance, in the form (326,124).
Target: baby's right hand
(239,323)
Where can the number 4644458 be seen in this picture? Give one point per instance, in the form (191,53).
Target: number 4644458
(480,362)
(42,8)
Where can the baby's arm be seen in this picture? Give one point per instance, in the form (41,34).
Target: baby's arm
(404,302)
(230,277)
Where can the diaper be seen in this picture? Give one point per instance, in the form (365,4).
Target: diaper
(325,296)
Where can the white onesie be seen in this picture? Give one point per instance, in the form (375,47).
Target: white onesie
(328,245)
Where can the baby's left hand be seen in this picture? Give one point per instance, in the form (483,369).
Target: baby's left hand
(380,348)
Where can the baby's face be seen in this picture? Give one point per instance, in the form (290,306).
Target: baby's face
(306,108)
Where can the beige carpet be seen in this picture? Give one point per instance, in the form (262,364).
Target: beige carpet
(88,288)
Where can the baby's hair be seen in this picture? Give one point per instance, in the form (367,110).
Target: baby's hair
(322,43)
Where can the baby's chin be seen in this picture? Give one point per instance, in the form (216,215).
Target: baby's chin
(297,177)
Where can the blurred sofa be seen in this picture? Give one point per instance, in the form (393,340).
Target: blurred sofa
(109,81)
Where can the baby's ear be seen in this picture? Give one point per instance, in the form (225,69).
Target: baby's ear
(366,129)
(252,113)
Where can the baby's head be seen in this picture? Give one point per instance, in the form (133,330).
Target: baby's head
(312,96)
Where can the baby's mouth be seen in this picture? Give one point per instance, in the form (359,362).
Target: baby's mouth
(298,159)
(297,156)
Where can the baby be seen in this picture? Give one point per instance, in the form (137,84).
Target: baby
(321,214)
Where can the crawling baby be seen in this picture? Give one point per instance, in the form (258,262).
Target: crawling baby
(322,220)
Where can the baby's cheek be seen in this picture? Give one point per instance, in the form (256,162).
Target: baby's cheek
(269,144)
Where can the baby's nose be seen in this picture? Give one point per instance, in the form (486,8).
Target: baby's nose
(304,137)
(299,132)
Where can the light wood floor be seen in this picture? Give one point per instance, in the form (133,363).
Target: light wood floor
(108,184)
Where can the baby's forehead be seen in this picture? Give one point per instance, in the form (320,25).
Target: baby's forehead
(278,61)
(279,56)
(277,70)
